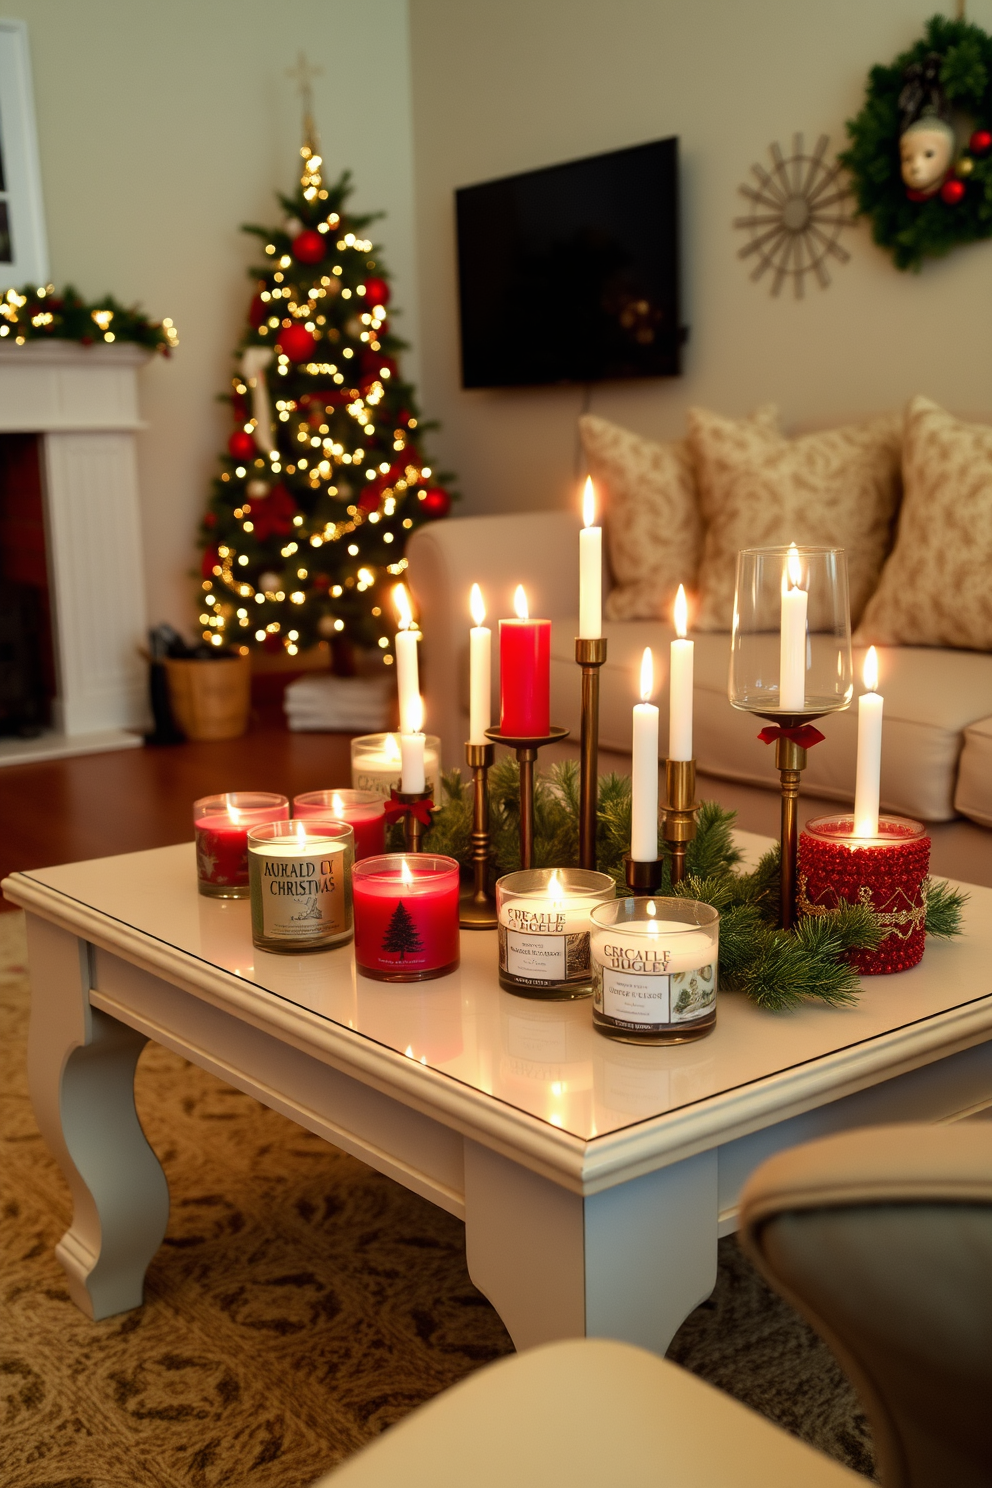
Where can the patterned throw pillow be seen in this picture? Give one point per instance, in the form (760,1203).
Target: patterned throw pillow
(838,488)
(653,529)
(936,588)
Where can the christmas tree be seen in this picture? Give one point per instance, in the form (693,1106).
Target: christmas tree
(324,478)
(401,934)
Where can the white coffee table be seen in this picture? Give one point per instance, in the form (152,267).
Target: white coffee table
(593,1178)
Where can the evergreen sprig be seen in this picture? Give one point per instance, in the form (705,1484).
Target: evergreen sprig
(777,969)
(40,313)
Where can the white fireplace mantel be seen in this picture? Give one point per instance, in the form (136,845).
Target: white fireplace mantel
(83,403)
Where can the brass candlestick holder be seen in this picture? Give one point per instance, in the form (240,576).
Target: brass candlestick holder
(643,877)
(415,809)
(590,655)
(680,812)
(526,751)
(477,910)
(794,734)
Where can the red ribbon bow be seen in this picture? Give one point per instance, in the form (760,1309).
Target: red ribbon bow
(395,808)
(805,735)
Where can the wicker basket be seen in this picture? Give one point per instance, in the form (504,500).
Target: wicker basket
(210,698)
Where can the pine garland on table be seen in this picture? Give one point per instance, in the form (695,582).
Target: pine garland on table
(777,969)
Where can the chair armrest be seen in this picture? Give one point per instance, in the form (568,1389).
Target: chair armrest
(536,549)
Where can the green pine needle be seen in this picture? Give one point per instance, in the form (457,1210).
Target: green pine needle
(944,906)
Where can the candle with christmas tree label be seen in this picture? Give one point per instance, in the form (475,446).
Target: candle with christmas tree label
(524,674)
(300,874)
(543,919)
(406,917)
(220,825)
(654,969)
(364,811)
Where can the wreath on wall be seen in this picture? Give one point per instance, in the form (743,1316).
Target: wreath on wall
(921,147)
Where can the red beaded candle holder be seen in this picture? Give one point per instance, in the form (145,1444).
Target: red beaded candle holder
(887,872)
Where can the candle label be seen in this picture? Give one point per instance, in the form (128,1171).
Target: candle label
(635,990)
(300,899)
(535,947)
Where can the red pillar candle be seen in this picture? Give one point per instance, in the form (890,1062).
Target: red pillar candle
(524,674)
(406,916)
(365,811)
(888,872)
(220,825)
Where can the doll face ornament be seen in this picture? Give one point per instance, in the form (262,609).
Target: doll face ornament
(926,152)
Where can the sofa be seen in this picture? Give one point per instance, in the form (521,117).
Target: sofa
(937,751)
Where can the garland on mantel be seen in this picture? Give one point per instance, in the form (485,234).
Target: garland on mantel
(777,969)
(38,313)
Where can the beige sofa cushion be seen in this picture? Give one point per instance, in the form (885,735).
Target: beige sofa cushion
(653,527)
(839,487)
(973,796)
(936,588)
(930,699)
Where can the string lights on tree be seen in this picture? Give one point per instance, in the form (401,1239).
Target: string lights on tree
(323,479)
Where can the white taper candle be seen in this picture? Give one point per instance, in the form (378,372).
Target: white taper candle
(680,686)
(407,672)
(590,569)
(792,651)
(480,671)
(866,792)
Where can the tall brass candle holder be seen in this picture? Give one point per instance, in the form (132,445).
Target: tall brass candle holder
(793,737)
(477,909)
(680,812)
(526,752)
(590,655)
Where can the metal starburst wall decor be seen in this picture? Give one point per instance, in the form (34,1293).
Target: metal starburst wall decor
(799,209)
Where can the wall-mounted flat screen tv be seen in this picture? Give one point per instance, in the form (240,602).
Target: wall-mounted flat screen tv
(571,273)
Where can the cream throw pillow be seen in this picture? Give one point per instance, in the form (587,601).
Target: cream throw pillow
(653,528)
(936,588)
(838,488)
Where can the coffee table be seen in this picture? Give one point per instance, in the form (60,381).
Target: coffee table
(594,1178)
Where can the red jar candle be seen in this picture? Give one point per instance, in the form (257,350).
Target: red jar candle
(220,825)
(364,811)
(406,916)
(524,675)
(887,872)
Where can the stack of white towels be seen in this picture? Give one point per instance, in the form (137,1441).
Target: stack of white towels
(348,705)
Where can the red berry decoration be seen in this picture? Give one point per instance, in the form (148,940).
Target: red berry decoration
(241,445)
(308,247)
(296,342)
(980,142)
(436,503)
(258,312)
(952,191)
(376,292)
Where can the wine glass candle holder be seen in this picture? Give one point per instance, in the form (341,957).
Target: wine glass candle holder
(790,663)
(887,872)
(590,654)
(478,907)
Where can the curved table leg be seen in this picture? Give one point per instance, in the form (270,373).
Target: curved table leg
(628,1263)
(81,1067)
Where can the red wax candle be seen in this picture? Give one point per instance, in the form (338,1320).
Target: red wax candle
(887,872)
(220,825)
(365,812)
(406,916)
(524,675)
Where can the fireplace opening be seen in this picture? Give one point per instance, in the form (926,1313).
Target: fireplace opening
(27,657)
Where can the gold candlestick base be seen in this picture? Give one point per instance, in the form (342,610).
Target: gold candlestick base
(790,761)
(643,876)
(590,655)
(477,908)
(526,751)
(680,812)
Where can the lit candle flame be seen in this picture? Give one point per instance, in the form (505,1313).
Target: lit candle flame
(681,613)
(556,889)
(589,503)
(401,600)
(477,605)
(301,834)
(406,877)
(647,675)
(415,716)
(232,811)
(652,911)
(391,750)
(520,603)
(871,669)
(794,567)
(337,805)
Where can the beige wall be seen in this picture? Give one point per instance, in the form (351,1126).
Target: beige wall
(508,86)
(163,125)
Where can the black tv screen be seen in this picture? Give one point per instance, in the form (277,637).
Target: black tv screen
(571,273)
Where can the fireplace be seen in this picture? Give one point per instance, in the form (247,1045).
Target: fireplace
(72,616)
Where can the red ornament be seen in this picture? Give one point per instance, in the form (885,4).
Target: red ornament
(376,292)
(275,518)
(374,364)
(258,312)
(980,142)
(436,503)
(241,445)
(210,520)
(952,191)
(296,342)
(308,247)
(369,499)
(211,559)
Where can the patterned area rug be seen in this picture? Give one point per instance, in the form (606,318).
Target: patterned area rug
(301,1304)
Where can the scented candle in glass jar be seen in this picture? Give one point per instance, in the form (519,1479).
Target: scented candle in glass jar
(406,916)
(543,922)
(220,824)
(364,811)
(300,874)
(654,969)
